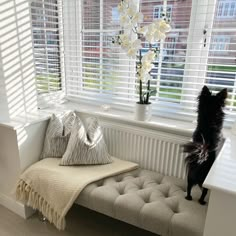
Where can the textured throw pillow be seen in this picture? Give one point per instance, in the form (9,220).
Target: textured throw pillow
(86,148)
(57,135)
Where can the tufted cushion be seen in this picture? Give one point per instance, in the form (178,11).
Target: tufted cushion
(148,200)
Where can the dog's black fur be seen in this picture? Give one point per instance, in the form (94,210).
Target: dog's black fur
(202,150)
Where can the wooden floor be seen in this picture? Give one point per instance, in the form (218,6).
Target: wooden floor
(80,222)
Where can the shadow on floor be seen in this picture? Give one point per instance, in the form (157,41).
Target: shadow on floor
(80,221)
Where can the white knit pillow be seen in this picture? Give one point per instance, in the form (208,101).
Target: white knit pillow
(86,148)
(57,135)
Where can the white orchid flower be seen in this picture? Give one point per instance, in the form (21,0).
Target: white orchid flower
(124,37)
(121,7)
(132,52)
(137,44)
(158,35)
(130,19)
(142,30)
(137,18)
(143,76)
(128,27)
(125,45)
(147,66)
(124,20)
(149,56)
(131,12)
(125,41)
(150,37)
(164,27)
(133,47)
(125,4)
(151,28)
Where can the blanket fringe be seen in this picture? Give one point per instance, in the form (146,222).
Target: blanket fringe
(28,196)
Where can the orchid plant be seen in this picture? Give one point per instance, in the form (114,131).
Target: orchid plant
(130,41)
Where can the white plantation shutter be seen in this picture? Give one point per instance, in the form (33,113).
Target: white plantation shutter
(46,43)
(96,69)
(199,50)
(221,66)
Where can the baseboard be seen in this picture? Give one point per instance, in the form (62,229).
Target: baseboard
(16,207)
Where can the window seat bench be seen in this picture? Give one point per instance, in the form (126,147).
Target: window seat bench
(147,200)
(151,197)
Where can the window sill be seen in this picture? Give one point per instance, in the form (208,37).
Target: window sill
(124,117)
(112,115)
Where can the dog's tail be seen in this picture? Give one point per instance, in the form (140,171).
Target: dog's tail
(197,152)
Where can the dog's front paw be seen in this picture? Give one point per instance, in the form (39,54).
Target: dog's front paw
(189,198)
(202,202)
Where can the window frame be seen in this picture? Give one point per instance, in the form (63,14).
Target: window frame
(224,3)
(216,39)
(160,11)
(193,53)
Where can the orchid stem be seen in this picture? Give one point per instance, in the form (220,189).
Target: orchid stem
(140,92)
(148,92)
(140,81)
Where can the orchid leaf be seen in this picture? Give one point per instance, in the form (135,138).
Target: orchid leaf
(152,92)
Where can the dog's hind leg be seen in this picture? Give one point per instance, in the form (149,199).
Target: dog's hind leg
(204,193)
(189,188)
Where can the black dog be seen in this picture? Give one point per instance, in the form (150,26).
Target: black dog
(202,150)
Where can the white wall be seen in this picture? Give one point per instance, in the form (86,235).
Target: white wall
(19,148)
(9,161)
(30,143)
(17,96)
(221,214)
(17,72)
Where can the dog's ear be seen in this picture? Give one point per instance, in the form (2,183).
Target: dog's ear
(222,95)
(205,91)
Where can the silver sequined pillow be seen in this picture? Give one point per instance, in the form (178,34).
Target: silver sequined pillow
(57,135)
(86,147)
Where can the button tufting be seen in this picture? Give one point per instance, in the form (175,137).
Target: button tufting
(165,194)
(121,191)
(175,210)
(118,180)
(146,200)
(99,184)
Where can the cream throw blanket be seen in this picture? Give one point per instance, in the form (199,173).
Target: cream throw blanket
(52,189)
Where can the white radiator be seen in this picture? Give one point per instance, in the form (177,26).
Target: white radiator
(153,150)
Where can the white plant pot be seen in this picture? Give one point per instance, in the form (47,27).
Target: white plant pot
(143,112)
